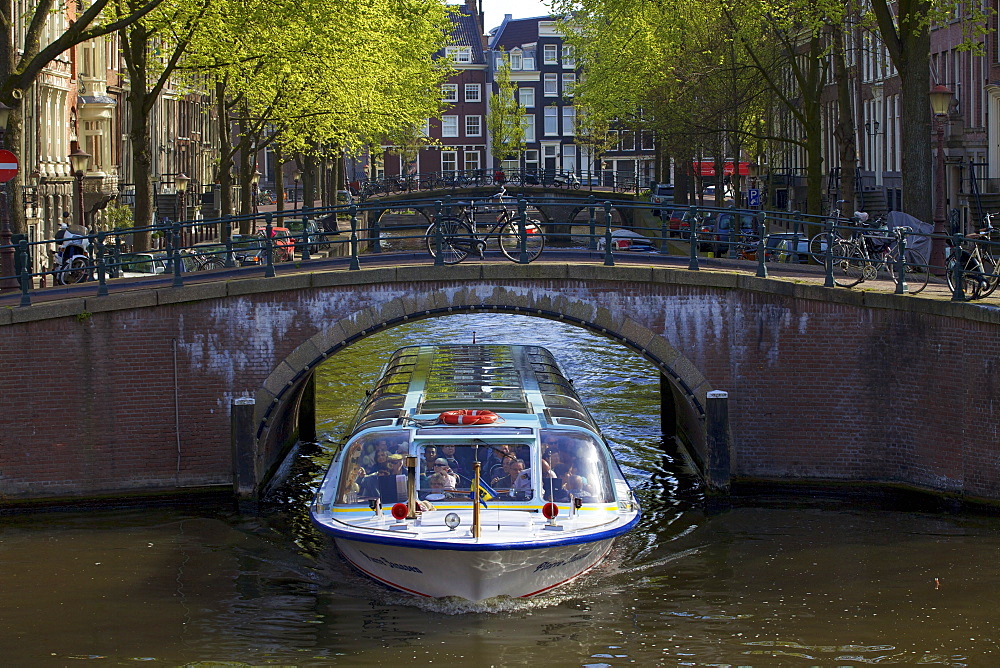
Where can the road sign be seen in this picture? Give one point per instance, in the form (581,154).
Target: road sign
(8,166)
(753,197)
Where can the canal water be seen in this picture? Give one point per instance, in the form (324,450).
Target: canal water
(789,581)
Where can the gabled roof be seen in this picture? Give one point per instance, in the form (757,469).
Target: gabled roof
(515,32)
(466,32)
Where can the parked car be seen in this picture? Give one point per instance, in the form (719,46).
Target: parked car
(134,265)
(627,240)
(731,228)
(659,194)
(284,243)
(296,226)
(786,247)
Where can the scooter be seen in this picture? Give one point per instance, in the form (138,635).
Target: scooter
(70,265)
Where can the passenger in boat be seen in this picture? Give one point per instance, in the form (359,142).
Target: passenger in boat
(430,456)
(502,475)
(369,484)
(498,456)
(457,467)
(518,482)
(396,469)
(443,475)
(575,485)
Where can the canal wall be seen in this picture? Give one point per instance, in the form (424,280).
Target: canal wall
(132,393)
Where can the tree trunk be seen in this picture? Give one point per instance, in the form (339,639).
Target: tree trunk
(15,194)
(845,130)
(225,173)
(916,154)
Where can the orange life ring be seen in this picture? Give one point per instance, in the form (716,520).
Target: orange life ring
(468,416)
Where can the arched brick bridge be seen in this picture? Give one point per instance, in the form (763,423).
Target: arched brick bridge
(132,392)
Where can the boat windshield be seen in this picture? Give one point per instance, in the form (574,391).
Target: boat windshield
(372,460)
(574,463)
(447,470)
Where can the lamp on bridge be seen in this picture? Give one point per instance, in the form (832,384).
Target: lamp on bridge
(79,162)
(181,182)
(254,191)
(296,177)
(941,98)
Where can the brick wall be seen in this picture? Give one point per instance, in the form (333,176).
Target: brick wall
(133,394)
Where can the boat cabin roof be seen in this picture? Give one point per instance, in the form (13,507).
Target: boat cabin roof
(512,379)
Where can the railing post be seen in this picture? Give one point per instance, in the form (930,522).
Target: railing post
(268,247)
(230,258)
(438,236)
(693,238)
(828,282)
(761,264)
(664,230)
(592,244)
(26,277)
(102,274)
(522,230)
(305,255)
(355,263)
(957,269)
(609,241)
(176,243)
(900,268)
(375,233)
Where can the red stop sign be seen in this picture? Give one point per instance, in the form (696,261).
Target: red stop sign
(8,166)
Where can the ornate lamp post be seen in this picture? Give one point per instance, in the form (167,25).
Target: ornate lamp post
(940,97)
(296,177)
(79,161)
(255,192)
(181,182)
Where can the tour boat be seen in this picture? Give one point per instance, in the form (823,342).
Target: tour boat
(474,471)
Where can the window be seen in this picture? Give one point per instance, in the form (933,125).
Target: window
(528,123)
(569,56)
(449,126)
(473,93)
(569,158)
(628,140)
(529,60)
(550,54)
(425,129)
(569,83)
(449,92)
(551,85)
(515,59)
(472,162)
(551,120)
(449,161)
(531,159)
(473,126)
(459,54)
(569,120)
(647,140)
(526,96)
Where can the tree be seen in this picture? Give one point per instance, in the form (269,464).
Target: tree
(20,65)
(504,119)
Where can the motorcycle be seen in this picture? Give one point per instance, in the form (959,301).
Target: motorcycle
(70,264)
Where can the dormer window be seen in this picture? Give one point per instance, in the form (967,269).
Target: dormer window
(459,54)
(516,59)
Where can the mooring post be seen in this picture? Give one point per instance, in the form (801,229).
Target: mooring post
(668,409)
(244,446)
(717,437)
(307,411)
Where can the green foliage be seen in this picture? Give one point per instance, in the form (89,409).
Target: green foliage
(504,118)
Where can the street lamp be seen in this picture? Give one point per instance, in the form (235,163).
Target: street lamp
(940,97)
(79,161)
(296,177)
(181,182)
(254,191)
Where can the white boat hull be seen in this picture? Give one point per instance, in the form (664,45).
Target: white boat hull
(474,575)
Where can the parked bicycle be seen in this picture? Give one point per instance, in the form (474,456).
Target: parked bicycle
(818,243)
(980,267)
(874,253)
(459,235)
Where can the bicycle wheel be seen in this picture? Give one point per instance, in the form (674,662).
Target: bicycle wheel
(972,282)
(991,270)
(817,247)
(510,240)
(213,262)
(848,265)
(917,271)
(457,240)
(75,272)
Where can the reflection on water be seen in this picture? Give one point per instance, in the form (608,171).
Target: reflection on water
(786,582)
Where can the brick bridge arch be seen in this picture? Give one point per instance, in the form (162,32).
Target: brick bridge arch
(132,392)
(278,399)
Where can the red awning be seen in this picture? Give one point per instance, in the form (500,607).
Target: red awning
(707,168)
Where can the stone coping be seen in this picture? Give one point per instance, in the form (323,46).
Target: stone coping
(795,284)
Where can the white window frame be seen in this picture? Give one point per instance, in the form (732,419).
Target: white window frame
(449,158)
(516,59)
(528,124)
(569,158)
(550,54)
(550,85)
(526,96)
(449,92)
(568,83)
(459,54)
(472,161)
(568,56)
(551,122)
(473,125)
(473,92)
(569,121)
(449,126)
